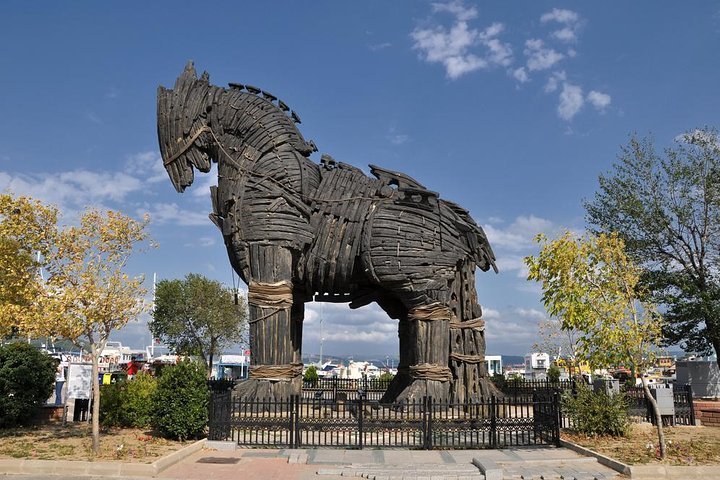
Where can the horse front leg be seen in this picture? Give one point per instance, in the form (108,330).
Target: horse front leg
(276,312)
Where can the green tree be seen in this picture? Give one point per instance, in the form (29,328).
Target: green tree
(27,376)
(593,286)
(666,207)
(553,373)
(311,375)
(197,316)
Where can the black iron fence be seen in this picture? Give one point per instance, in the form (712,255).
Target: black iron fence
(518,388)
(640,408)
(423,424)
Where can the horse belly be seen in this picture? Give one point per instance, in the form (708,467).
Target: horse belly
(409,249)
(340,206)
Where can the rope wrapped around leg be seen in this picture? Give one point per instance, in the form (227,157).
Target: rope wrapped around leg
(429,371)
(277,373)
(277,296)
(429,313)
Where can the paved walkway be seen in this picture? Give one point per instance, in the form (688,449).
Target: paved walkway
(321,464)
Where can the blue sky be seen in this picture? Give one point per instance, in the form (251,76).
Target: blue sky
(510,109)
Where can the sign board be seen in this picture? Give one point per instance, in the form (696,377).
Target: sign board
(79,380)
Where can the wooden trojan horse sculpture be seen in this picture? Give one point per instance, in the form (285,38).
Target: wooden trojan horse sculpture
(295,230)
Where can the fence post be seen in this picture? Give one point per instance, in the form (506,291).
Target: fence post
(558,417)
(211,416)
(689,394)
(290,404)
(361,408)
(427,423)
(493,423)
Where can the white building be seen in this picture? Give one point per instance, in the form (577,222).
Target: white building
(536,365)
(493,363)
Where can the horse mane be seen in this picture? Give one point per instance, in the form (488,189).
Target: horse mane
(305,147)
(267,96)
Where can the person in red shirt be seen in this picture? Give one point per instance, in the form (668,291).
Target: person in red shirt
(132,368)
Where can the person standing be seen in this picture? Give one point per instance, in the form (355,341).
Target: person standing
(59,383)
(132,368)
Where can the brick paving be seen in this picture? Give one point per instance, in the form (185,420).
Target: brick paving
(327,464)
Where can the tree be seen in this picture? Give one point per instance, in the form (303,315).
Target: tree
(311,375)
(558,341)
(593,286)
(666,207)
(197,316)
(88,293)
(27,229)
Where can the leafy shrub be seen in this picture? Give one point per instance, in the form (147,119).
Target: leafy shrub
(128,403)
(137,400)
(27,378)
(498,380)
(111,410)
(180,403)
(385,378)
(553,373)
(597,413)
(311,376)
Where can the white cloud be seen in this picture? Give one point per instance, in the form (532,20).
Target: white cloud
(531,313)
(452,46)
(380,46)
(599,100)
(561,16)
(456,8)
(162,213)
(519,234)
(539,56)
(571,101)
(520,74)
(569,20)
(147,165)
(74,189)
(554,81)
(395,137)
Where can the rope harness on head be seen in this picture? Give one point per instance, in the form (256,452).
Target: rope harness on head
(187,144)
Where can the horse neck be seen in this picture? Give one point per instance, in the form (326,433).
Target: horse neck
(256,123)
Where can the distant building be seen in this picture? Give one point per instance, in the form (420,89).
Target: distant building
(536,365)
(494,364)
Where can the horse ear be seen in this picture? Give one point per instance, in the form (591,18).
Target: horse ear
(190,68)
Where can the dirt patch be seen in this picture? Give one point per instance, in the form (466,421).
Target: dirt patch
(74,442)
(685,445)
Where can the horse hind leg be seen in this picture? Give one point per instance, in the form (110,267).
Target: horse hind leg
(424,352)
(467,340)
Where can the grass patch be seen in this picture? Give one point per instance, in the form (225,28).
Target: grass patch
(74,442)
(685,445)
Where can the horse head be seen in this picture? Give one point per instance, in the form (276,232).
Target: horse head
(183,131)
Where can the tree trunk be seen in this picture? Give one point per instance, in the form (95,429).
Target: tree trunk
(716,346)
(210,359)
(656,413)
(95,400)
